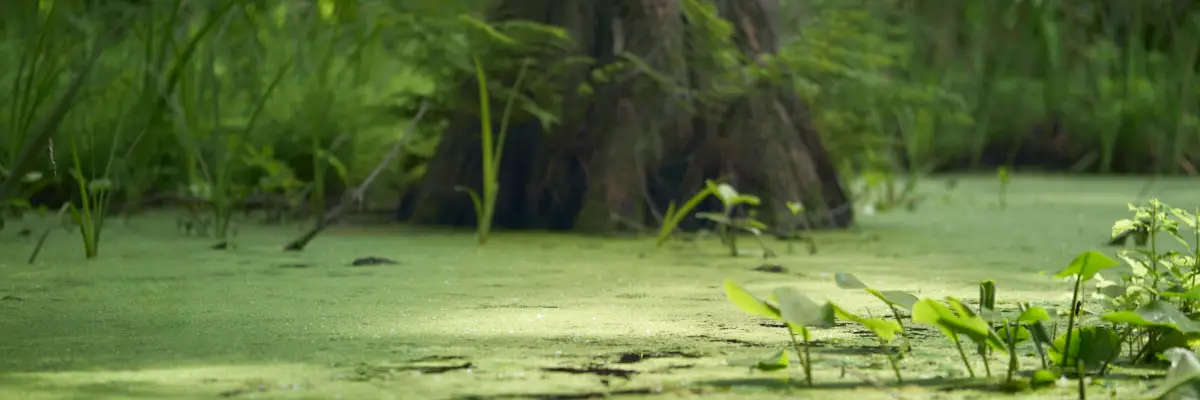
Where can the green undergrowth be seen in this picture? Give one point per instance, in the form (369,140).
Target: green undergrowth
(532,314)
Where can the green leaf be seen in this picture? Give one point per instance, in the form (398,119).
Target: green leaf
(795,208)
(1122,226)
(1086,265)
(798,309)
(1185,217)
(1100,345)
(32,176)
(750,304)
(903,299)
(715,217)
(1033,314)
(1022,334)
(745,199)
(1043,378)
(1183,378)
(725,192)
(753,224)
(1192,294)
(896,298)
(99,186)
(773,362)
(931,312)
(970,324)
(475,199)
(338,166)
(885,329)
(1158,313)
(846,280)
(956,320)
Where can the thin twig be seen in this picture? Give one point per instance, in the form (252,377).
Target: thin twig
(356,194)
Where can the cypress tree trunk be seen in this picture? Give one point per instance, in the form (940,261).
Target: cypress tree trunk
(642,138)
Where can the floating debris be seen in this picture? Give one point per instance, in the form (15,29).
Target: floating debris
(295,265)
(620,373)
(368,261)
(772,268)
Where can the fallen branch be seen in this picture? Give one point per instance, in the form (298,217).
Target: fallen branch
(357,193)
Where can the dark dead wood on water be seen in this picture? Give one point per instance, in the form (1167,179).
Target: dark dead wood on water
(356,194)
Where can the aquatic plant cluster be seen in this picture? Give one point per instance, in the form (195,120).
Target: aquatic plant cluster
(1145,310)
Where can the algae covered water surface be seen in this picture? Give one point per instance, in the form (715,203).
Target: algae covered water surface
(161,315)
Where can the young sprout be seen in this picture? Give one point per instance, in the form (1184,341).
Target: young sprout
(794,309)
(797,208)
(730,200)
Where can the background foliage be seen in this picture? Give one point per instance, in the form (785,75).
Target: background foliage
(228,98)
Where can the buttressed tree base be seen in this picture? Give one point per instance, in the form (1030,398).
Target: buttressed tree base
(661,114)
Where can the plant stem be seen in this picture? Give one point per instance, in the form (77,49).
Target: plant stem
(1012,330)
(1195,253)
(1082,378)
(1153,250)
(1066,352)
(896,315)
(487,148)
(802,353)
(891,360)
(962,354)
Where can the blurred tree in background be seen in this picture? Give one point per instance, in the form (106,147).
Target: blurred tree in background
(297,100)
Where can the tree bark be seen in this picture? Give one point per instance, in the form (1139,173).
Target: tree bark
(640,140)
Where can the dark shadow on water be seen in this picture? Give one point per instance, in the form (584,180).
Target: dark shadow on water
(854,350)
